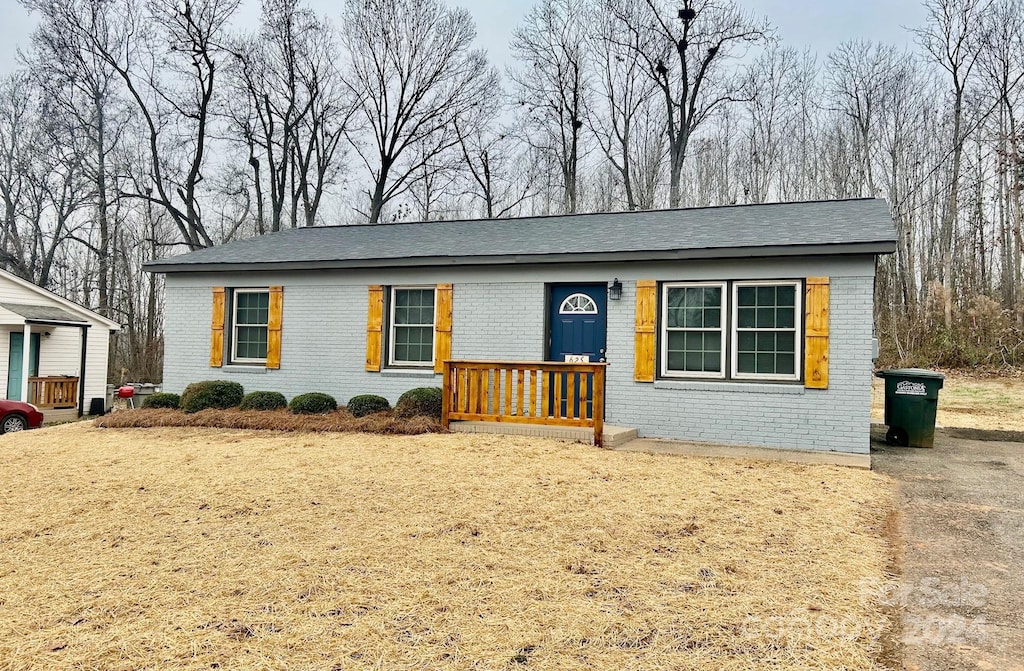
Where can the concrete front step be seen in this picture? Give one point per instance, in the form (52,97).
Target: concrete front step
(613,436)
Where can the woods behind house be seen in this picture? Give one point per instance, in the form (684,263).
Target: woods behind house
(139,130)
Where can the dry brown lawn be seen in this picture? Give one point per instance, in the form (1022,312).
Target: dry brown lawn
(191,548)
(974,401)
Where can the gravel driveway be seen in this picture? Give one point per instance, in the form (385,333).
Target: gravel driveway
(961,595)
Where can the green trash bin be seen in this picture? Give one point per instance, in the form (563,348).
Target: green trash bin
(911,400)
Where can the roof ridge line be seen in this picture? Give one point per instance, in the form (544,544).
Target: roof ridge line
(583,214)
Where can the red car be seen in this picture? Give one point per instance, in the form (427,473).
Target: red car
(18,416)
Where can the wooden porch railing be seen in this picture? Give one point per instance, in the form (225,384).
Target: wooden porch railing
(53,392)
(525,392)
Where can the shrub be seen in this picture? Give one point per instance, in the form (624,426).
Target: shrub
(218,394)
(162,400)
(424,401)
(263,400)
(313,403)
(367,404)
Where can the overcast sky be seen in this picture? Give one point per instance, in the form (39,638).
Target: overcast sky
(820,25)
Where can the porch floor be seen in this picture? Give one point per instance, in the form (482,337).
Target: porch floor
(614,436)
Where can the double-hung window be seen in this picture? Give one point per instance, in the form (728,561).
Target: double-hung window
(754,326)
(766,320)
(693,343)
(412,326)
(250,316)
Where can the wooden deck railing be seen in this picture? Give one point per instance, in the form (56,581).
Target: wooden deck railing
(526,392)
(53,392)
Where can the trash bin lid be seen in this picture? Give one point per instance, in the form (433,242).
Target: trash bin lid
(911,372)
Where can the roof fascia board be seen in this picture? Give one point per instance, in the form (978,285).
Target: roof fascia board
(877,247)
(57,322)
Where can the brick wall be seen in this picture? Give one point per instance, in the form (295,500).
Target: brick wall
(498,315)
(492,320)
(743,413)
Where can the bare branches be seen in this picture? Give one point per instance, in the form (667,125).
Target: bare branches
(291,110)
(552,87)
(686,51)
(415,73)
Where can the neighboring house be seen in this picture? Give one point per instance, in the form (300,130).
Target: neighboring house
(56,350)
(741,325)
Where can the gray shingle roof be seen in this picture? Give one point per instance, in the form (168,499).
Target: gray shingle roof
(43,313)
(821,227)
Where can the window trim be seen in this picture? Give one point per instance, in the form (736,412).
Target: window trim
(663,332)
(730,332)
(392,362)
(232,351)
(797,330)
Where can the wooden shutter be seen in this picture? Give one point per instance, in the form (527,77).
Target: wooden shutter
(374,327)
(442,326)
(274,327)
(217,329)
(816,306)
(646,318)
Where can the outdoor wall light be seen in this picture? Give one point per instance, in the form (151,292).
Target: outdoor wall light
(615,289)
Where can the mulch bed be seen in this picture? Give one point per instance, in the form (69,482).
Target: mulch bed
(339,421)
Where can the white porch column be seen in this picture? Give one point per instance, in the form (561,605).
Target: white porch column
(26,359)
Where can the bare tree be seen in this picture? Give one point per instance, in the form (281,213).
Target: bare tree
(416,74)
(16,121)
(551,85)
(629,121)
(859,75)
(43,180)
(273,105)
(290,111)
(499,176)
(319,135)
(686,52)
(81,87)
(799,171)
(168,57)
(952,38)
(1002,64)
(904,159)
(771,95)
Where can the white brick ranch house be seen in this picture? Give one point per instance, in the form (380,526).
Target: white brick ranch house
(746,325)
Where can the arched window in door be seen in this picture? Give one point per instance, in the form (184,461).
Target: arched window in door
(578,304)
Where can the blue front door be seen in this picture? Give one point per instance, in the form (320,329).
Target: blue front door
(578,331)
(14,363)
(579,322)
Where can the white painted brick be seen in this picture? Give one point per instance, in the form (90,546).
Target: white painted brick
(496,315)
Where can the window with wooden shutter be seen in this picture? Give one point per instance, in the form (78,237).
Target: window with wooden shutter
(816,333)
(646,319)
(217,329)
(250,321)
(442,327)
(374,327)
(274,327)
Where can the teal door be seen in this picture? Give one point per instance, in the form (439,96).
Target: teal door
(14,361)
